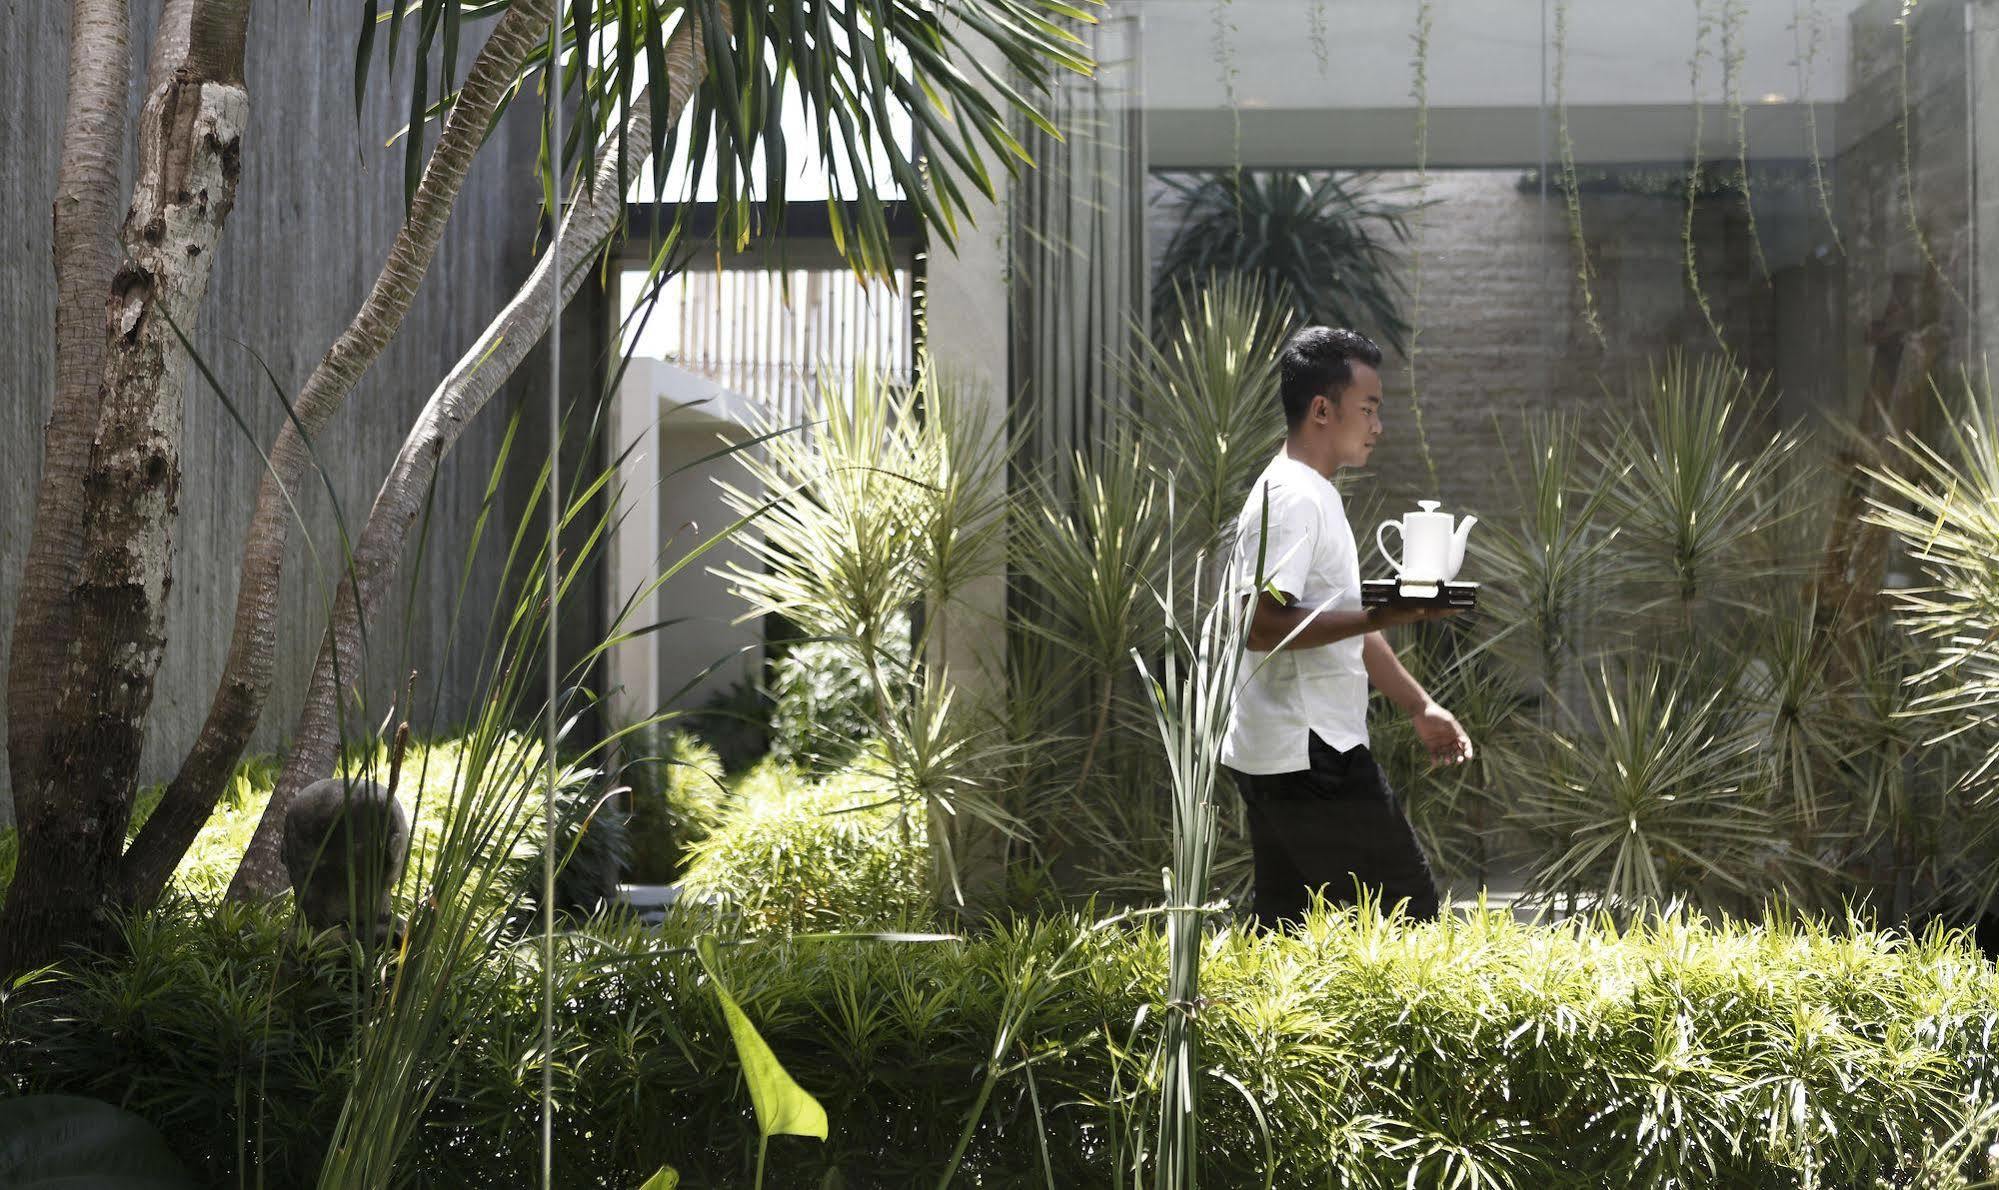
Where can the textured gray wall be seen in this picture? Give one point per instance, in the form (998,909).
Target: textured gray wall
(320,200)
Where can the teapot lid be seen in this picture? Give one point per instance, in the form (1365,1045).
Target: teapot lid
(1428,505)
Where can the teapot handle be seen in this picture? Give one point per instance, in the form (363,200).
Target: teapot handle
(1381,545)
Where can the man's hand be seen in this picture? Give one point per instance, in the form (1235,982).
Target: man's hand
(1442,735)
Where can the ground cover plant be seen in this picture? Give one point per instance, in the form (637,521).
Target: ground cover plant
(1478,1051)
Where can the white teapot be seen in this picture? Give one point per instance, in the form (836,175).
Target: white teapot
(1433,546)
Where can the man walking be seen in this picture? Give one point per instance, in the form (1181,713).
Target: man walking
(1321,814)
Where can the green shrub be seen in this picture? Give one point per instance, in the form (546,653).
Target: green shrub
(796,852)
(1741,1055)
(678,796)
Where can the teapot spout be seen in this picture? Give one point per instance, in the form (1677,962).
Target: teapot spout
(1458,540)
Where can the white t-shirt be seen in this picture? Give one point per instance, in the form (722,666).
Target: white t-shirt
(1284,695)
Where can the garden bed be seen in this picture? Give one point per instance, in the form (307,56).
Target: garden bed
(1356,1053)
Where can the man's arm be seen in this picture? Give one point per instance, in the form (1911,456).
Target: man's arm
(1436,727)
(1385,673)
(1274,621)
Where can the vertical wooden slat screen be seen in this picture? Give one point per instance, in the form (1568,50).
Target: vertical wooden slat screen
(765,334)
(1077,267)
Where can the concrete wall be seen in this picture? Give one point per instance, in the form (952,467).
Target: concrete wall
(319,202)
(1985,150)
(691,511)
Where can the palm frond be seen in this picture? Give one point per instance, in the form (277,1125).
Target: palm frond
(1322,247)
(908,98)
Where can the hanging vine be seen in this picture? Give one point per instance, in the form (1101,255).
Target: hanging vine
(1321,42)
(1694,184)
(1807,35)
(1572,199)
(1906,22)
(1420,90)
(1225,31)
(1732,53)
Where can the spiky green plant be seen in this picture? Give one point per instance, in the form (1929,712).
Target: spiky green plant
(1456,810)
(1193,697)
(1692,483)
(1654,799)
(1942,501)
(1205,406)
(1804,722)
(1205,420)
(1085,569)
(1544,573)
(1321,246)
(891,502)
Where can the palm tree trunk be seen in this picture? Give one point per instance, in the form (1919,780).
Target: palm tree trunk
(85,253)
(239,696)
(479,373)
(85,763)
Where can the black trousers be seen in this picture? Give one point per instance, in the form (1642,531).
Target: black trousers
(1335,827)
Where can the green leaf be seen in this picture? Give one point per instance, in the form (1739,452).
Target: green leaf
(66,1140)
(668,1178)
(783,1107)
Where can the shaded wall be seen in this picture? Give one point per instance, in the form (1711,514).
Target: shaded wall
(319,202)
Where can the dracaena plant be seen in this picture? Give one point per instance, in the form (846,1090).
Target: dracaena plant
(1655,797)
(1543,570)
(1941,500)
(1692,486)
(888,502)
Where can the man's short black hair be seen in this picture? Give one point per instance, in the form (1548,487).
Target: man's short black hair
(1318,361)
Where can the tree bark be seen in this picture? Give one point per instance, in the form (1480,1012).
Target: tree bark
(170,41)
(589,221)
(246,676)
(85,250)
(73,815)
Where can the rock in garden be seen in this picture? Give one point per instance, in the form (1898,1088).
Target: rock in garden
(344,847)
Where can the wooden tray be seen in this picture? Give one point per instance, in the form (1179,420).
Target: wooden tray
(1388,592)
